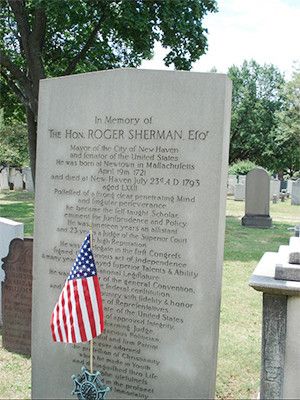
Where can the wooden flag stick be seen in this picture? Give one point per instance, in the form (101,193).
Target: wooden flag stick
(92,340)
(91,355)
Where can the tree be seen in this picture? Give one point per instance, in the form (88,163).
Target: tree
(286,135)
(14,146)
(42,38)
(256,98)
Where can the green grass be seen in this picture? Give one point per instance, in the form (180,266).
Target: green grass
(18,206)
(15,372)
(240,325)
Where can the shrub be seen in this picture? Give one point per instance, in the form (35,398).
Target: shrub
(241,167)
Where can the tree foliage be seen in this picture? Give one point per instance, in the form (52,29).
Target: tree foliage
(42,38)
(286,135)
(257,96)
(14,146)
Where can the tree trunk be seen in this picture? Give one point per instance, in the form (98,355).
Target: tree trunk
(32,136)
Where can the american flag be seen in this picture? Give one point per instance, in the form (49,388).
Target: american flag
(78,315)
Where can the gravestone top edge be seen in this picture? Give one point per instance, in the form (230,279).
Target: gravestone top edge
(258,169)
(14,242)
(10,222)
(140,71)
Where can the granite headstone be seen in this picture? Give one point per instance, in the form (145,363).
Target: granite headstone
(257,204)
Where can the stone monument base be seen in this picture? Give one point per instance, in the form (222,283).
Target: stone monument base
(257,221)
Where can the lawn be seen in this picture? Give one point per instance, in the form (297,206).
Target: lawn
(18,206)
(240,327)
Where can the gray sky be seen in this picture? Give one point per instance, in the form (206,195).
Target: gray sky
(266,30)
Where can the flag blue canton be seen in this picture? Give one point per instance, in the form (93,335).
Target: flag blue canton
(84,265)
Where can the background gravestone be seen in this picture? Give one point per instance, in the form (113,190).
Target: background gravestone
(231,182)
(27,176)
(274,187)
(296,193)
(257,204)
(241,179)
(239,192)
(289,186)
(4,179)
(18,181)
(8,230)
(143,155)
(17,292)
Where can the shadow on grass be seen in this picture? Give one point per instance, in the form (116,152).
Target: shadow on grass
(249,244)
(17,196)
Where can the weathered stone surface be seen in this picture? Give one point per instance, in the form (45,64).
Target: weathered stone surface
(281,329)
(17,303)
(273,346)
(143,155)
(257,204)
(291,383)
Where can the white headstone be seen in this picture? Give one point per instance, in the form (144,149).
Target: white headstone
(296,193)
(18,181)
(9,230)
(143,154)
(274,187)
(4,179)
(289,186)
(27,176)
(241,179)
(239,192)
(11,174)
(231,182)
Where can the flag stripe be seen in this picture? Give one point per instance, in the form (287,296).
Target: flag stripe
(94,302)
(89,306)
(61,321)
(58,323)
(71,325)
(85,316)
(66,310)
(79,313)
(52,326)
(63,317)
(99,301)
(76,325)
